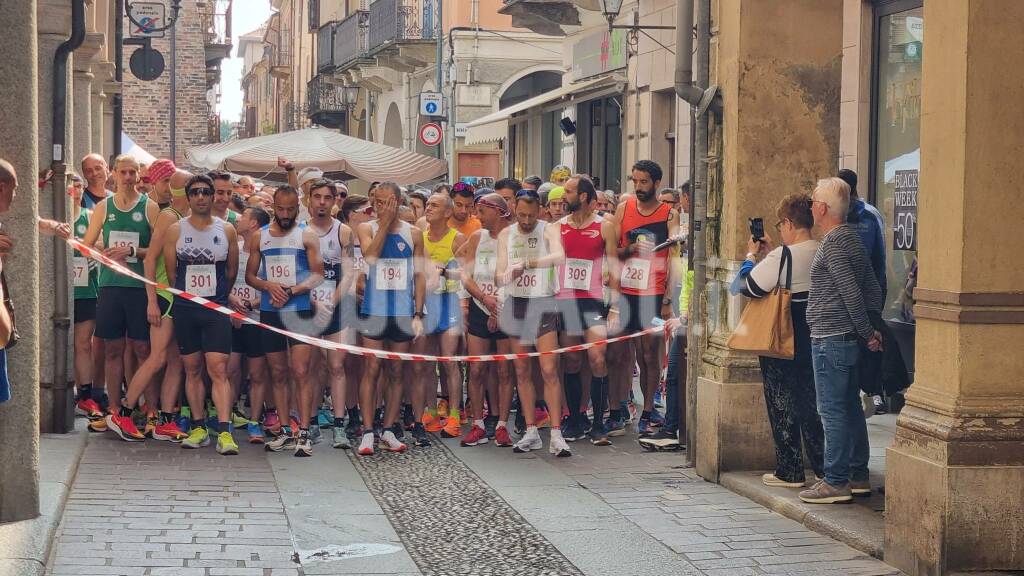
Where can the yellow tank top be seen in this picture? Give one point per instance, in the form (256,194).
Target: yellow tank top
(442,252)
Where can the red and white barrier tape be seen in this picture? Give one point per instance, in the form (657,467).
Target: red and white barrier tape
(321,343)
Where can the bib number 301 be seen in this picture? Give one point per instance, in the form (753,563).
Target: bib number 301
(201,279)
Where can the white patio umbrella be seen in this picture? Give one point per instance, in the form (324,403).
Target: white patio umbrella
(132,148)
(341,157)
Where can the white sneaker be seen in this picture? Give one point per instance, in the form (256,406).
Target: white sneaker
(559,447)
(391,442)
(527,443)
(770,479)
(366,445)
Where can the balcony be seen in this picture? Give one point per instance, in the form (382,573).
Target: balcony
(280,59)
(215,20)
(349,43)
(395,22)
(325,103)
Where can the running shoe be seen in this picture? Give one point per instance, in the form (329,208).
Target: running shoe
(293,423)
(197,438)
(226,445)
(238,419)
(657,420)
(474,437)
(324,418)
(629,407)
(452,428)
(353,429)
(98,425)
(419,436)
(152,421)
(527,443)
(643,427)
(280,443)
(88,408)
(662,439)
(541,418)
(341,440)
(390,443)
(304,445)
(170,432)
(431,422)
(880,407)
(502,438)
(124,427)
(366,445)
(571,431)
(182,422)
(212,424)
(490,426)
(598,435)
(315,435)
(272,422)
(584,423)
(408,419)
(255,432)
(558,447)
(615,427)
(399,431)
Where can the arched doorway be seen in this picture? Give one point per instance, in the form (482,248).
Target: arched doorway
(535,145)
(393,127)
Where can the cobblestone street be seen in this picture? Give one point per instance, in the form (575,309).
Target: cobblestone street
(157,509)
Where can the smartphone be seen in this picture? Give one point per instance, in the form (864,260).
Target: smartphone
(757,228)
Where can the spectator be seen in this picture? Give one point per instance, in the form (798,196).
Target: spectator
(844,290)
(418,203)
(669,196)
(788,384)
(606,202)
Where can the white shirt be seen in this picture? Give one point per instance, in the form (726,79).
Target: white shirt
(766,274)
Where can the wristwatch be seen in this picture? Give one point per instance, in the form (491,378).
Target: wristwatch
(419,315)
(666,301)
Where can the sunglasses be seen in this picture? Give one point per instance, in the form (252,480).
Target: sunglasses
(204,191)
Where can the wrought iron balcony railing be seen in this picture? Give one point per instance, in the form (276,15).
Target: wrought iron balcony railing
(393,21)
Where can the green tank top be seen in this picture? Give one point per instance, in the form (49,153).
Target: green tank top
(161,267)
(84,270)
(125,228)
(232,217)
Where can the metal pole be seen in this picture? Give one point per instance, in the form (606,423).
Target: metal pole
(117,101)
(697,324)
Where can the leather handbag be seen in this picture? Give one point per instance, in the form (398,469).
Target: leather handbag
(766,325)
(12,338)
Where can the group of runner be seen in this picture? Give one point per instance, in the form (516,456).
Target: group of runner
(457,271)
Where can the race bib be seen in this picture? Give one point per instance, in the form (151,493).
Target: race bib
(358,264)
(245,293)
(122,239)
(281,269)
(489,288)
(530,282)
(201,279)
(577,273)
(391,274)
(81,271)
(636,274)
(324,292)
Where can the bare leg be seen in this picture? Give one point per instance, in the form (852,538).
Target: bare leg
(83,353)
(217,367)
(649,357)
(478,371)
(368,385)
(393,394)
(524,381)
(505,384)
(299,355)
(114,369)
(278,364)
(195,388)
(336,375)
(170,389)
(450,341)
(257,386)
(161,338)
(552,377)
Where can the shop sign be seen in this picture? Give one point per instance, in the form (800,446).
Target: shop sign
(905,210)
(599,53)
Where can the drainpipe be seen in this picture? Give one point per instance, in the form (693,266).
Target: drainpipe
(63,417)
(118,101)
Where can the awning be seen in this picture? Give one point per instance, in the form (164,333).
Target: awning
(494,126)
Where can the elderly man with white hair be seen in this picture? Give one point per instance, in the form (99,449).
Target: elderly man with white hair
(844,307)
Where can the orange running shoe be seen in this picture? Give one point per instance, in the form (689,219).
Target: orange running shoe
(452,428)
(432,423)
(124,427)
(88,408)
(169,432)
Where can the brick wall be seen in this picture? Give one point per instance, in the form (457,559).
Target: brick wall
(147,105)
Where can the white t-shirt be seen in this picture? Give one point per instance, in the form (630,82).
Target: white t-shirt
(766,274)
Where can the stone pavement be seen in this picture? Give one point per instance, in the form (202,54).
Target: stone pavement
(155,508)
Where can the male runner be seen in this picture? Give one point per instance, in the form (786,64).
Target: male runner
(481,258)
(336,252)
(222,200)
(642,222)
(462,218)
(125,222)
(84,277)
(355,210)
(287,270)
(246,339)
(201,253)
(392,308)
(528,256)
(94,170)
(443,322)
(163,349)
(587,239)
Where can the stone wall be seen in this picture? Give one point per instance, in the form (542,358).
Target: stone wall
(147,105)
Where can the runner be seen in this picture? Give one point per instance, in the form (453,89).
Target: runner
(222,200)
(95,172)
(528,254)
(288,268)
(642,222)
(392,308)
(163,349)
(462,218)
(483,331)
(336,252)
(125,223)
(443,322)
(355,210)
(246,339)
(201,253)
(85,273)
(587,239)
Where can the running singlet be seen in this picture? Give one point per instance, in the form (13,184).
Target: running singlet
(161,267)
(125,228)
(232,217)
(442,253)
(522,246)
(284,260)
(89,201)
(389,281)
(582,274)
(241,289)
(202,262)
(84,270)
(330,251)
(644,275)
(484,265)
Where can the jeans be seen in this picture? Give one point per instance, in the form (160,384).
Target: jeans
(846,433)
(676,369)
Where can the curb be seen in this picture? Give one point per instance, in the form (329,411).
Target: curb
(27,544)
(832,521)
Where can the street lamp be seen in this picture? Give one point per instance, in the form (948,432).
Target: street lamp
(349,95)
(610,9)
